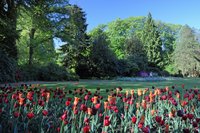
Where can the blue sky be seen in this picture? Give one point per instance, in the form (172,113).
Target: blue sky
(170,11)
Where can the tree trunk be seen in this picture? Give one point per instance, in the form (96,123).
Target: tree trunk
(31,36)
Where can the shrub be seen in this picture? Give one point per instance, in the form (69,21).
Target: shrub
(7,68)
(49,72)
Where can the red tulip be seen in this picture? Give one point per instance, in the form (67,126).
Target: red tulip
(69,99)
(65,122)
(86,120)
(30,115)
(164,97)
(67,103)
(16,114)
(107,117)
(184,117)
(83,107)
(162,122)
(64,116)
(190,116)
(158,119)
(97,106)
(100,115)
(106,122)
(86,129)
(186,130)
(58,129)
(45,112)
(134,119)
(86,97)
(41,102)
(197,120)
(140,124)
(146,129)
(195,124)
(75,111)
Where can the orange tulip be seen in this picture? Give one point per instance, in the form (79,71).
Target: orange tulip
(166,128)
(174,111)
(142,119)
(183,103)
(139,91)
(33,86)
(95,99)
(111,100)
(47,96)
(151,99)
(74,108)
(20,95)
(151,94)
(76,100)
(21,101)
(132,92)
(171,115)
(126,93)
(144,104)
(89,111)
(137,105)
(105,105)
(178,95)
(159,92)
(117,90)
(144,91)
(167,88)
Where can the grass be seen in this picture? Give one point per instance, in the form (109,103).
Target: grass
(111,84)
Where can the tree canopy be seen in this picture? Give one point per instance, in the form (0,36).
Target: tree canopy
(122,47)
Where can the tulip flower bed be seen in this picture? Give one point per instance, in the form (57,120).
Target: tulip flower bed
(39,109)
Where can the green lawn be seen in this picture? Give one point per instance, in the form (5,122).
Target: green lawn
(110,84)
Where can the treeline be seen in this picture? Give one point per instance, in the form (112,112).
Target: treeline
(119,48)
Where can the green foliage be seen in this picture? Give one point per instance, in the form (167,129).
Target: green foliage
(152,43)
(7,68)
(168,35)
(119,30)
(170,69)
(8,33)
(49,72)
(185,52)
(37,32)
(127,67)
(75,38)
(102,59)
(135,53)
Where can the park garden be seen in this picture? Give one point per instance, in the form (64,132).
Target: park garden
(136,75)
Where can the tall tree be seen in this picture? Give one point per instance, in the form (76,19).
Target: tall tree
(8,33)
(135,53)
(117,32)
(152,43)
(74,35)
(103,60)
(185,52)
(38,23)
